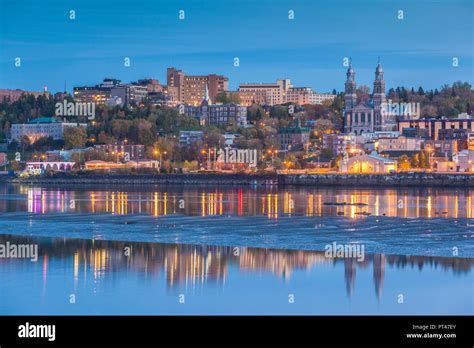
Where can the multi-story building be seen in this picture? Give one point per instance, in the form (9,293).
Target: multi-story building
(14,94)
(470,141)
(320,98)
(437,128)
(264,93)
(120,149)
(440,148)
(171,95)
(399,144)
(187,138)
(192,88)
(338,143)
(152,85)
(218,115)
(261,93)
(112,92)
(42,127)
(465,160)
(293,138)
(306,95)
(300,95)
(130,93)
(96,94)
(279,93)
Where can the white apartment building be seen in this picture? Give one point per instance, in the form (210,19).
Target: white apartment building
(260,93)
(320,98)
(401,143)
(42,127)
(279,93)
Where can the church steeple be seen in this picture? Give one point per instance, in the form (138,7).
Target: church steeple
(350,97)
(206,96)
(378,97)
(379,71)
(206,100)
(350,72)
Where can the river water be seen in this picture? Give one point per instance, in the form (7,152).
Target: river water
(217,250)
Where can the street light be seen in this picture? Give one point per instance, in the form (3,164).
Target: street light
(429,157)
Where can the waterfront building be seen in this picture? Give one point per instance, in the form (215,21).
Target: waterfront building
(191,89)
(470,141)
(134,151)
(109,166)
(372,163)
(188,138)
(14,94)
(370,116)
(440,148)
(42,127)
(402,143)
(445,166)
(55,166)
(465,160)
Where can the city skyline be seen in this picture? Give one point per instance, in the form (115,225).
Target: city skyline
(94,45)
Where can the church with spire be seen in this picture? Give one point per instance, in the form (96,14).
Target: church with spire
(365,117)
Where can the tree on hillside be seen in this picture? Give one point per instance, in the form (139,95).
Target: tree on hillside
(74,137)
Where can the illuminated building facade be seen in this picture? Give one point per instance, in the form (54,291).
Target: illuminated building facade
(42,127)
(368,164)
(192,88)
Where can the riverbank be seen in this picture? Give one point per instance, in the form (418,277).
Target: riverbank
(317,180)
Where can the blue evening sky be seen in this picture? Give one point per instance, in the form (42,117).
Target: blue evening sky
(309,50)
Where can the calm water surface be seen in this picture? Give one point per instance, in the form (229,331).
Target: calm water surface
(236,250)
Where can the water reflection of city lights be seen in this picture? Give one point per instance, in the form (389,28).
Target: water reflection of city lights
(350,203)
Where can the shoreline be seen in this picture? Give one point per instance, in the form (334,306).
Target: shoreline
(280,180)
